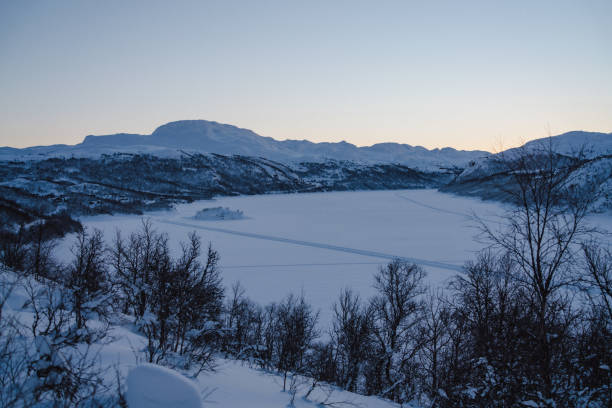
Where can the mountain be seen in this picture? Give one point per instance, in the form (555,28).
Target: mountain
(193,160)
(586,145)
(588,153)
(57,188)
(576,143)
(200,136)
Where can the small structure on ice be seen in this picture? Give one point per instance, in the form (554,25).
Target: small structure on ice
(218,213)
(154,386)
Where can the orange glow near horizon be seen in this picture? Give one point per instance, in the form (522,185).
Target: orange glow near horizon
(469,75)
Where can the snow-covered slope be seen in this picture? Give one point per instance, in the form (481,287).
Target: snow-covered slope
(233,384)
(175,138)
(124,183)
(588,144)
(590,153)
(578,144)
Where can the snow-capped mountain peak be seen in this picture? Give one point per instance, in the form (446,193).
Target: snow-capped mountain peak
(212,137)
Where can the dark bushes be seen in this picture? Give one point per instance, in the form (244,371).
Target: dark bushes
(177,303)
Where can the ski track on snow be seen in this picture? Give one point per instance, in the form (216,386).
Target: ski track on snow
(468,216)
(297,265)
(431,207)
(374,254)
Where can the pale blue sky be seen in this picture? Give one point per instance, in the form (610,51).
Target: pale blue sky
(457,73)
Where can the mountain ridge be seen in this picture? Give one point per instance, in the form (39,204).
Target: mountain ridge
(203,136)
(175,139)
(590,153)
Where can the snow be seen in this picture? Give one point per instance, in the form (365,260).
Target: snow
(233,384)
(236,385)
(83,151)
(320,243)
(190,136)
(153,386)
(590,144)
(586,144)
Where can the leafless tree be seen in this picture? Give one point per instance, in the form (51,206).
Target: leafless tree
(134,262)
(176,301)
(434,329)
(351,336)
(296,328)
(87,280)
(243,325)
(14,249)
(597,281)
(53,362)
(396,311)
(541,235)
(39,261)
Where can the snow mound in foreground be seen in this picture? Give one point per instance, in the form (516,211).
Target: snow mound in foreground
(153,386)
(218,213)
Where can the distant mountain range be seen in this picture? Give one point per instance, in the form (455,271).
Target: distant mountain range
(186,137)
(200,136)
(179,138)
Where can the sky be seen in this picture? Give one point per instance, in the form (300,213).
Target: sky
(466,74)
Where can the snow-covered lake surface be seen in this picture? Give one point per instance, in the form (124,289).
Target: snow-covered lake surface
(320,243)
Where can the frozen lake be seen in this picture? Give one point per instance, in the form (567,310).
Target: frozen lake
(319,243)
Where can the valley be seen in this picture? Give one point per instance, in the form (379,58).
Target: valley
(295,253)
(321,243)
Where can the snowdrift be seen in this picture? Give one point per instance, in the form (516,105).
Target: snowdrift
(154,386)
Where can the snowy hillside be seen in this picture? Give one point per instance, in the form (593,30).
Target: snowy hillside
(58,182)
(117,357)
(589,154)
(200,136)
(125,183)
(589,144)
